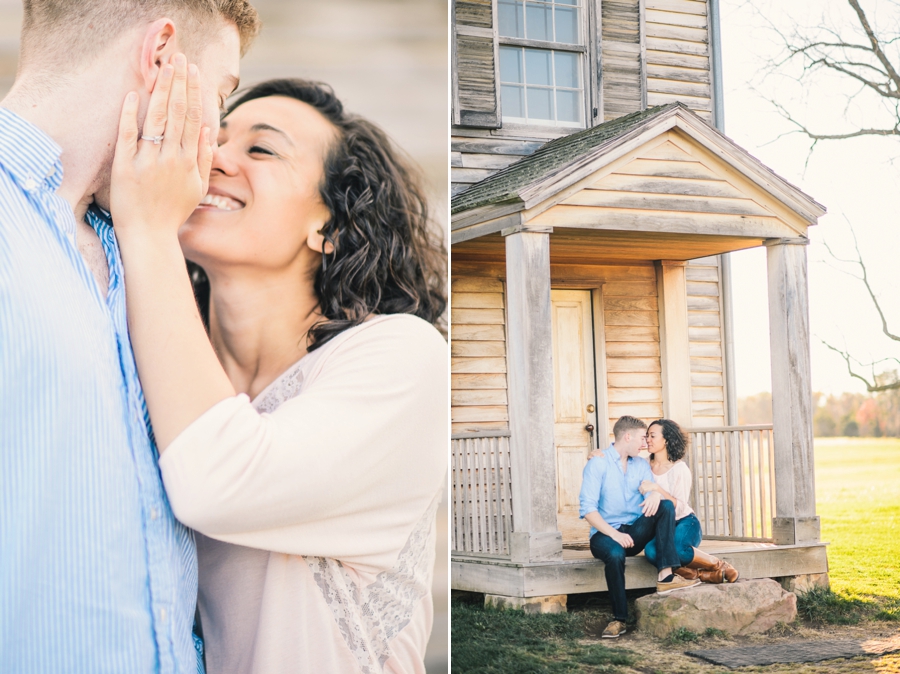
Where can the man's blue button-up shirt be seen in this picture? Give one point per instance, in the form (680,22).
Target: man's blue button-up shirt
(611,491)
(96,575)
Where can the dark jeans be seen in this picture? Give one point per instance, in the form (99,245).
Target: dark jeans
(687,537)
(644,529)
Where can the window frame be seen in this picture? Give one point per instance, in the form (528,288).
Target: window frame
(590,71)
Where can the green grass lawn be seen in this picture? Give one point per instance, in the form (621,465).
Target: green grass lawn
(858,501)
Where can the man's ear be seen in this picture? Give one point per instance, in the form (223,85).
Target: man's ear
(158,47)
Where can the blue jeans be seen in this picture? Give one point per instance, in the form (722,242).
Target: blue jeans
(660,526)
(687,537)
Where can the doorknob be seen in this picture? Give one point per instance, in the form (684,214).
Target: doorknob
(590,408)
(589,428)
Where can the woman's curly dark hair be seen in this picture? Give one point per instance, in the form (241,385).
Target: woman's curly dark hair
(388,256)
(676,439)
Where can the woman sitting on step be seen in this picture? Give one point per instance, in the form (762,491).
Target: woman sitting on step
(667,444)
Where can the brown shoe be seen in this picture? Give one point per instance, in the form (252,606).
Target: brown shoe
(711,569)
(688,574)
(614,630)
(677,583)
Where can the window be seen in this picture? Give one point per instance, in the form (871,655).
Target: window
(542,61)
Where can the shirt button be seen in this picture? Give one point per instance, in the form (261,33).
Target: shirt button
(154,513)
(162,614)
(30,184)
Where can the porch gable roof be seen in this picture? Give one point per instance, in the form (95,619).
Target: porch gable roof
(514,195)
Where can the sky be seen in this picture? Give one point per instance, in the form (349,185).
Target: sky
(857,180)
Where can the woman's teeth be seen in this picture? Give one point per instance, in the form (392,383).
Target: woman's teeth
(220,202)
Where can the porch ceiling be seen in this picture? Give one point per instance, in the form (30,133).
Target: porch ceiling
(591,246)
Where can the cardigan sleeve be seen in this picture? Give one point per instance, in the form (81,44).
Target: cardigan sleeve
(348,465)
(680,487)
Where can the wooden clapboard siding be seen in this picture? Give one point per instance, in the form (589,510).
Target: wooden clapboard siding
(631,318)
(665,187)
(478,355)
(677,53)
(474,158)
(705,339)
(621,57)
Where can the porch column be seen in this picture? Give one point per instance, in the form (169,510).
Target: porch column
(535,535)
(675,354)
(795,518)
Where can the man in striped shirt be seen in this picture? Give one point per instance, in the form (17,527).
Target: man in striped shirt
(96,575)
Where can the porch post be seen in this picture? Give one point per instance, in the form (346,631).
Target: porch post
(795,518)
(675,355)
(535,535)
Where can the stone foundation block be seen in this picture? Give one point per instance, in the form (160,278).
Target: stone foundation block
(805,582)
(745,607)
(550,604)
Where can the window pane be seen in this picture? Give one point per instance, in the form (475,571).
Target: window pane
(511,65)
(540,104)
(566,69)
(566,2)
(537,67)
(512,18)
(540,26)
(568,106)
(512,98)
(567,25)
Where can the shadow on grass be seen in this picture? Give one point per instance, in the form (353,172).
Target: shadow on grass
(824,607)
(487,641)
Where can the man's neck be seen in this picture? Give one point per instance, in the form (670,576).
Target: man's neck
(83,120)
(623,455)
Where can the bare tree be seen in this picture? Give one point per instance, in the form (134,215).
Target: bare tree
(866,60)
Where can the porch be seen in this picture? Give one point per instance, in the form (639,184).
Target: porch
(733,496)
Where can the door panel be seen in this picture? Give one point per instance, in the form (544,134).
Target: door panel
(574,403)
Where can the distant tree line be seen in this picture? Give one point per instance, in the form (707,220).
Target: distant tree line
(846,414)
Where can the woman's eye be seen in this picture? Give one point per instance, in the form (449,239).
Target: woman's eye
(261,150)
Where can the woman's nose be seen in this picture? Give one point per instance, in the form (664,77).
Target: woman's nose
(223,159)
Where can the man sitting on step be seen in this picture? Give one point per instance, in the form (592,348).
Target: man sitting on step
(623,521)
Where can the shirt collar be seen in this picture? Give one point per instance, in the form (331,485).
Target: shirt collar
(29,154)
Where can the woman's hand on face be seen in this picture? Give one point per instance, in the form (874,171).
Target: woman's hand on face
(157,185)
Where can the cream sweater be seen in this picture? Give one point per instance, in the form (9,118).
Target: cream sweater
(315,507)
(677,482)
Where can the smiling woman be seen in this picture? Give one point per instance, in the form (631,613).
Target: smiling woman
(306,445)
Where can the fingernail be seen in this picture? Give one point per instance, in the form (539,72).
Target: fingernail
(168,70)
(132,97)
(192,69)
(179,59)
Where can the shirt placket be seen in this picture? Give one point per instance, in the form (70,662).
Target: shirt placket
(152,505)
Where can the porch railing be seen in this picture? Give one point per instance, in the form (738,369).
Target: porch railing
(734,478)
(481,497)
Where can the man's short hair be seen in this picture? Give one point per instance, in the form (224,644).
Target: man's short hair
(625,424)
(78,29)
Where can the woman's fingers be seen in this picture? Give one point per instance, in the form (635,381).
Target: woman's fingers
(157,110)
(128,130)
(177,104)
(194,119)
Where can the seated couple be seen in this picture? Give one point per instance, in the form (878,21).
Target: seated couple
(633,505)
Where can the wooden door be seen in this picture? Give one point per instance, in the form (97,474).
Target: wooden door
(574,401)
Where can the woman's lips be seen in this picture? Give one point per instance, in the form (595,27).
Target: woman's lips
(221,202)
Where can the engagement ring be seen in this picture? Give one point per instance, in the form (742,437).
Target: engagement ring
(156,139)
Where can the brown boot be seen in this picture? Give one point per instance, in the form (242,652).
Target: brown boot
(687,574)
(712,569)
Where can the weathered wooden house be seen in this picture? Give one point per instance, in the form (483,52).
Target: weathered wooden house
(595,202)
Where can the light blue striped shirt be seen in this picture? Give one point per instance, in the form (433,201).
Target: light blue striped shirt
(96,575)
(613,492)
